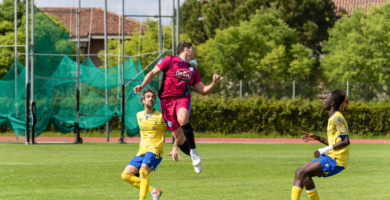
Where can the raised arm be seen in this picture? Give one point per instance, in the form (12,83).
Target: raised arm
(205,90)
(156,70)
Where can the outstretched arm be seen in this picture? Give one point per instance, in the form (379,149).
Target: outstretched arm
(156,70)
(205,90)
(311,137)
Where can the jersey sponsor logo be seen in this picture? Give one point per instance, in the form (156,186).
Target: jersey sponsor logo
(184,74)
(148,128)
(169,123)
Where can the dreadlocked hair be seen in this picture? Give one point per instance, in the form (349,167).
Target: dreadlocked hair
(340,99)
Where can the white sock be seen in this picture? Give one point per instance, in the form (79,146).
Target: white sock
(310,190)
(153,191)
(193,152)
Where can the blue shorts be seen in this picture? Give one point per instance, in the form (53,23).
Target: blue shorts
(149,159)
(329,166)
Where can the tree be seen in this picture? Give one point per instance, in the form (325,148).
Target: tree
(7,33)
(51,36)
(141,44)
(358,51)
(190,24)
(310,18)
(261,51)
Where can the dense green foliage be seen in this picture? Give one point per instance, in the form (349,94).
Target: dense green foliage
(190,24)
(263,50)
(261,42)
(264,116)
(7,33)
(311,18)
(358,51)
(233,171)
(45,33)
(286,117)
(140,44)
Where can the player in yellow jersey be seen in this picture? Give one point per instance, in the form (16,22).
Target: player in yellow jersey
(151,148)
(331,159)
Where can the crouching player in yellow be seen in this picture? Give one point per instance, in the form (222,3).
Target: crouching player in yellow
(152,127)
(331,159)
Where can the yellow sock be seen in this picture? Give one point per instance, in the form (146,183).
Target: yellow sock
(296,193)
(134,181)
(313,194)
(144,174)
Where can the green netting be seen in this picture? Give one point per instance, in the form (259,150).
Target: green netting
(55,87)
(49,38)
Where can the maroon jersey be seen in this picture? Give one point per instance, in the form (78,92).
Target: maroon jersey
(178,76)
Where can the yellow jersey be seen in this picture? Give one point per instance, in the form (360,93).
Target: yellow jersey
(338,128)
(152,133)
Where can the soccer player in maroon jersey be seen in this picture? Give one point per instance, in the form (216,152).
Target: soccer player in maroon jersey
(175,96)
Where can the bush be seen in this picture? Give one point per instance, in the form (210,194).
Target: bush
(285,117)
(259,114)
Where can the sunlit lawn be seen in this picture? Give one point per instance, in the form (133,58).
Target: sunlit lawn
(230,171)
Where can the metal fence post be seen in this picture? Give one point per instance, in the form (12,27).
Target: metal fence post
(27,88)
(160,45)
(178,23)
(177,35)
(16,58)
(79,140)
(33,106)
(173,29)
(106,65)
(240,89)
(122,137)
(293,89)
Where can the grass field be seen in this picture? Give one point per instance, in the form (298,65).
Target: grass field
(230,171)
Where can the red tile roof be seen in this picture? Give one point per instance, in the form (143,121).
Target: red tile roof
(71,19)
(347,6)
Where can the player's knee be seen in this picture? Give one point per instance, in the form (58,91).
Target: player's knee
(300,173)
(182,120)
(126,176)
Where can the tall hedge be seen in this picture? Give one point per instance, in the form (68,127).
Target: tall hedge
(262,115)
(286,117)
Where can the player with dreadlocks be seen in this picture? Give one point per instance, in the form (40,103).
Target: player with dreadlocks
(331,159)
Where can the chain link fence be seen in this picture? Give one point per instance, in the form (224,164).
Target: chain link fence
(362,91)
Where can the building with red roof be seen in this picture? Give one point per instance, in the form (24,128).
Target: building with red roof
(92,27)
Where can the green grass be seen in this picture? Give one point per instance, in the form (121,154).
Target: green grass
(230,171)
